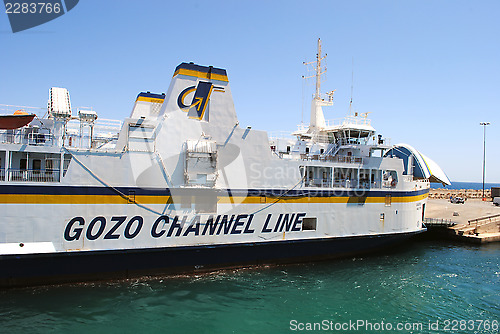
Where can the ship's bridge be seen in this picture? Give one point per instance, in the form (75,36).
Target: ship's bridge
(350,127)
(348,130)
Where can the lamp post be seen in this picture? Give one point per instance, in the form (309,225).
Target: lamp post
(484,124)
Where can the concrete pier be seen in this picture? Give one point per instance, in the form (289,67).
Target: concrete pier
(475,221)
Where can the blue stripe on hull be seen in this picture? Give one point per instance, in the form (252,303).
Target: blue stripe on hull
(85,190)
(40,269)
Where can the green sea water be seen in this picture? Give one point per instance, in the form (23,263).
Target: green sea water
(422,287)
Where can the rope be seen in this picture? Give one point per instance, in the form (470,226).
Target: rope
(281,196)
(121,194)
(132,200)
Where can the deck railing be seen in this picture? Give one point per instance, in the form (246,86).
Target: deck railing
(33,175)
(329,158)
(22,136)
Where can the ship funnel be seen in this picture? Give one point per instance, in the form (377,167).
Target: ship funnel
(147,105)
(200,93)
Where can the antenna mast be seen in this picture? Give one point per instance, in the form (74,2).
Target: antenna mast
(317,117)
(318,70)
(352,86)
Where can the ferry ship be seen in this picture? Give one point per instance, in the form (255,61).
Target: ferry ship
(180,187)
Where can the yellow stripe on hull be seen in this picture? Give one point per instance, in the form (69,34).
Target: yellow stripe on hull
(116,199)
(258,199)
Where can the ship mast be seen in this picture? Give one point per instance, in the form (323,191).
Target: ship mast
(317,118)
(318,70)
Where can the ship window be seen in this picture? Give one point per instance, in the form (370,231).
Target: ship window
(23,164)
(288,149)
(322,151)
(318,176)
(346,177)
(309,224)
(376,178)
(37,165)
(307,150)
(364,178)
(390,178)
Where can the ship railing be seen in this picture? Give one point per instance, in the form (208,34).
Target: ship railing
(342,184)
(43,139)
(100,127)
(348,120)
(33,175)
(23,136)
(329,158)
(283,135)
(2,174)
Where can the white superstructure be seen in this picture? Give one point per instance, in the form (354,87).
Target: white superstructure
(180,186)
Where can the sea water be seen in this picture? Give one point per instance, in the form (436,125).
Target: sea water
(420,287)
(465,185)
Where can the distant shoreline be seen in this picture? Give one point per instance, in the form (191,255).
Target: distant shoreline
(465,193)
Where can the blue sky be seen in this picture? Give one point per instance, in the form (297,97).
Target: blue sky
(427,71)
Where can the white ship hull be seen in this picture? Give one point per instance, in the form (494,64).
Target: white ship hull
(183,188)
(91,237)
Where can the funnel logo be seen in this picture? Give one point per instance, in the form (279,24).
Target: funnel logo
(199,103)
(26,14)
